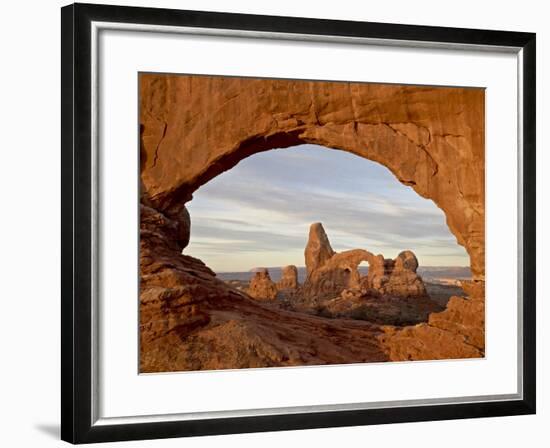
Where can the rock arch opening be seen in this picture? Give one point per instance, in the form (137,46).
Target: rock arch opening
(285,190)
(257,215)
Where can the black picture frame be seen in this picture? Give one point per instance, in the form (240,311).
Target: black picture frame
(76,312)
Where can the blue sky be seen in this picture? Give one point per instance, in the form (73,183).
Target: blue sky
(259,212)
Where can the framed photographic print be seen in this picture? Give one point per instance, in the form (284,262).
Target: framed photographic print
(274,223)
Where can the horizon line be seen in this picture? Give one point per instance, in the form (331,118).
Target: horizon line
(282,266)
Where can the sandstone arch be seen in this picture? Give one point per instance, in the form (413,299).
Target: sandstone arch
(329,273)
(192,128)
(432,139)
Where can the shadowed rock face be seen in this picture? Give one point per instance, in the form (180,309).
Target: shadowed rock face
(194,128)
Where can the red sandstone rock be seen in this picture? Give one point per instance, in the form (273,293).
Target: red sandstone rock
(397,277)
(289,279)
(457,332)
(261,286)
(318,249)
(339,272)
(425,342)
(195,127)
(330,275)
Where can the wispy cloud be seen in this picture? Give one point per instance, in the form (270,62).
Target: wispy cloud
(259,212)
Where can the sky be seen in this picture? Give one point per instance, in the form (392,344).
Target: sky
(259,212)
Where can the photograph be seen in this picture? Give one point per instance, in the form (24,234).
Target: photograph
(275,224)
(290,222)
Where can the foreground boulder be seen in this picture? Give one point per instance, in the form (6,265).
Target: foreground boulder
(457,332)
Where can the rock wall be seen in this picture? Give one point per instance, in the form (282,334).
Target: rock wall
(457,332)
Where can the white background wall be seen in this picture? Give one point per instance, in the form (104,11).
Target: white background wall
(29,233)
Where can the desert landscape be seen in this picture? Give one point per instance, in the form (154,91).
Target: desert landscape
(332,306)
(388,292)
